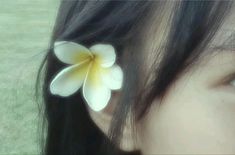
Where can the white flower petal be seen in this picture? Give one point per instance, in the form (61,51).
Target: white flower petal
(69,80)
(112,77)
(96,94)
(104,53)
(70,52)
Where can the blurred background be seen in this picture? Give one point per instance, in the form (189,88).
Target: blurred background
(25,28)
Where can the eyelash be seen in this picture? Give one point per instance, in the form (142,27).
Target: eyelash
(232,82)
(228,82)
(230,79)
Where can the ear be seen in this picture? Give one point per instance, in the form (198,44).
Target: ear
(103,120)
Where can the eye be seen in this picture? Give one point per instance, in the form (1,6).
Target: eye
(229,80)
(225,83)
(232,82)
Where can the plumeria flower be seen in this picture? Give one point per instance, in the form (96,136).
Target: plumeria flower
(93,69)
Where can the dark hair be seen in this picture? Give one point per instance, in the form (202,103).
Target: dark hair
(70,130)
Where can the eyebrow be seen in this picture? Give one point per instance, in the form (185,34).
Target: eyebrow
(228,44)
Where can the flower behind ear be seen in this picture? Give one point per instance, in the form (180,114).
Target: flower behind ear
(92,69)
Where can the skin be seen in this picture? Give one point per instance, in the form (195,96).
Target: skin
(196,116)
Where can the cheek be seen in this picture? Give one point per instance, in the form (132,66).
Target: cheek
(193,120)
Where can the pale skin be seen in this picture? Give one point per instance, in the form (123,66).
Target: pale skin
(197,114)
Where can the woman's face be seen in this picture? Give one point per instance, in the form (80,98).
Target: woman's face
(197,115)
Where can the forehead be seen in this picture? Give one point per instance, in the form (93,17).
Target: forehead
(158,28)
(225,36)
(221,50)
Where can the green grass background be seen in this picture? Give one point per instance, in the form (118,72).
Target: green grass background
(25,29)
